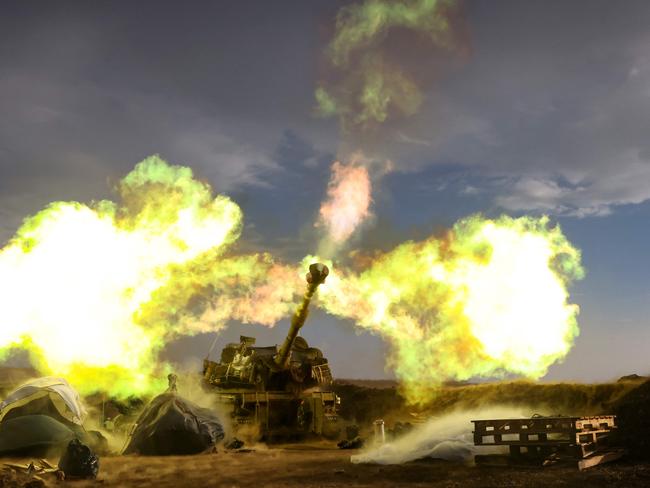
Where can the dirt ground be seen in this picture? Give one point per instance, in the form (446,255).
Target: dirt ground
(313,467)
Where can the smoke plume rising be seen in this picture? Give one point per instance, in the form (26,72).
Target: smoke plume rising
(373,74)
(349,196)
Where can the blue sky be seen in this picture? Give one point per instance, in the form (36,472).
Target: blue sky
(549,113)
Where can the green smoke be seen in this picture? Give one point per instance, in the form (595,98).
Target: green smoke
(370,87)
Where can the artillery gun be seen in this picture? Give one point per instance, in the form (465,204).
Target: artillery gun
(284,391)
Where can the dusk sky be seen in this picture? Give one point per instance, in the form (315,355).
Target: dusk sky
(544,110)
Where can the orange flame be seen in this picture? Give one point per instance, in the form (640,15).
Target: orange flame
(348,202)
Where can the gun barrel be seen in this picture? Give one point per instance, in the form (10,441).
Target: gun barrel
(316,276)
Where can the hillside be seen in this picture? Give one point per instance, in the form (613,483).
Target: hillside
(362,404)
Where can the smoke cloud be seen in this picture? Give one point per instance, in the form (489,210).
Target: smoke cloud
(349,196)
(94,292)
(448,437)
(88,287)
(373,74)
(487,299)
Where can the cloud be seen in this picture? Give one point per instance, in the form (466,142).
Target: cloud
(597,161)
(537,122)
(81,104)
(401,137)
(557,126)
(64,142)
(626,183)
(229,162)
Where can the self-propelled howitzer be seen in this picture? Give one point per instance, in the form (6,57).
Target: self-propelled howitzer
(284,390)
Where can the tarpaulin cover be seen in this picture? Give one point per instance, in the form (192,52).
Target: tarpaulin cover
(33,435)
(172,425)
(58,391)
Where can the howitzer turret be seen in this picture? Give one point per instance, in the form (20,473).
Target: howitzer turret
(288,386)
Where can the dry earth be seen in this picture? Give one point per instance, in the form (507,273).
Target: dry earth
(322,466)
(313,467)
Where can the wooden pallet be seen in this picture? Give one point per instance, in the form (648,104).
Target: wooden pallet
(540,437)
